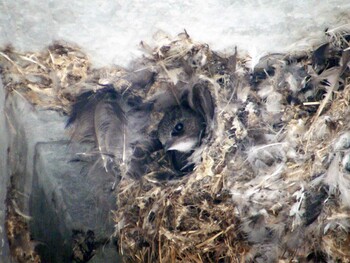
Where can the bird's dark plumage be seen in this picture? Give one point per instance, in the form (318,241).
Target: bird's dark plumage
(180,132)
(119,128)
(111,124)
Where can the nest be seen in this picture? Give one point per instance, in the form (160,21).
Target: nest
(273,180)
(263,190)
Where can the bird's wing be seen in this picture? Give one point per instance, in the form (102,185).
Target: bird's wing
(200,99)
(98,118)
(116,127)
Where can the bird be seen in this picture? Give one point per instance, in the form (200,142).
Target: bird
(117,126)
(180,132)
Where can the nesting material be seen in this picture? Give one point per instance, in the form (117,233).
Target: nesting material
(272,178)
(272,181)
(18,233)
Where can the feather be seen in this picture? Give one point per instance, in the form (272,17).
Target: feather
(332,76)
(346,162)
(343,142)
(200,99)
(109,129)
(264,156)
(320,57)
(338,181)
(113,125)
(141,76)
(273,102)
(314,201)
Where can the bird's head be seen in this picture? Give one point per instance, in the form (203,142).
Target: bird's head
(183,126)
(180,129)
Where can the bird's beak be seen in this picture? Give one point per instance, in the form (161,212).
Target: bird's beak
(181,144)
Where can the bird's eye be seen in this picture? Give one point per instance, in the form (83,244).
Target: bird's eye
(178,128)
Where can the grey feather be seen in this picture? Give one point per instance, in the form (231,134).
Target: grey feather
(202,101)
(111,125)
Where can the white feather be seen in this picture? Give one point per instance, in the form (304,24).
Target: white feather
(338,181)
(343,142)
(273,102)
(184,145)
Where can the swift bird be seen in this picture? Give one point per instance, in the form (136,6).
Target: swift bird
(180,131)
(183,126)
(117,126)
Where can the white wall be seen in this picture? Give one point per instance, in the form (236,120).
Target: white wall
(110,30)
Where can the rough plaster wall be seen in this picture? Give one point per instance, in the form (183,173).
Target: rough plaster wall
(110,31)
(54,191)
(22,128)
(4,177)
